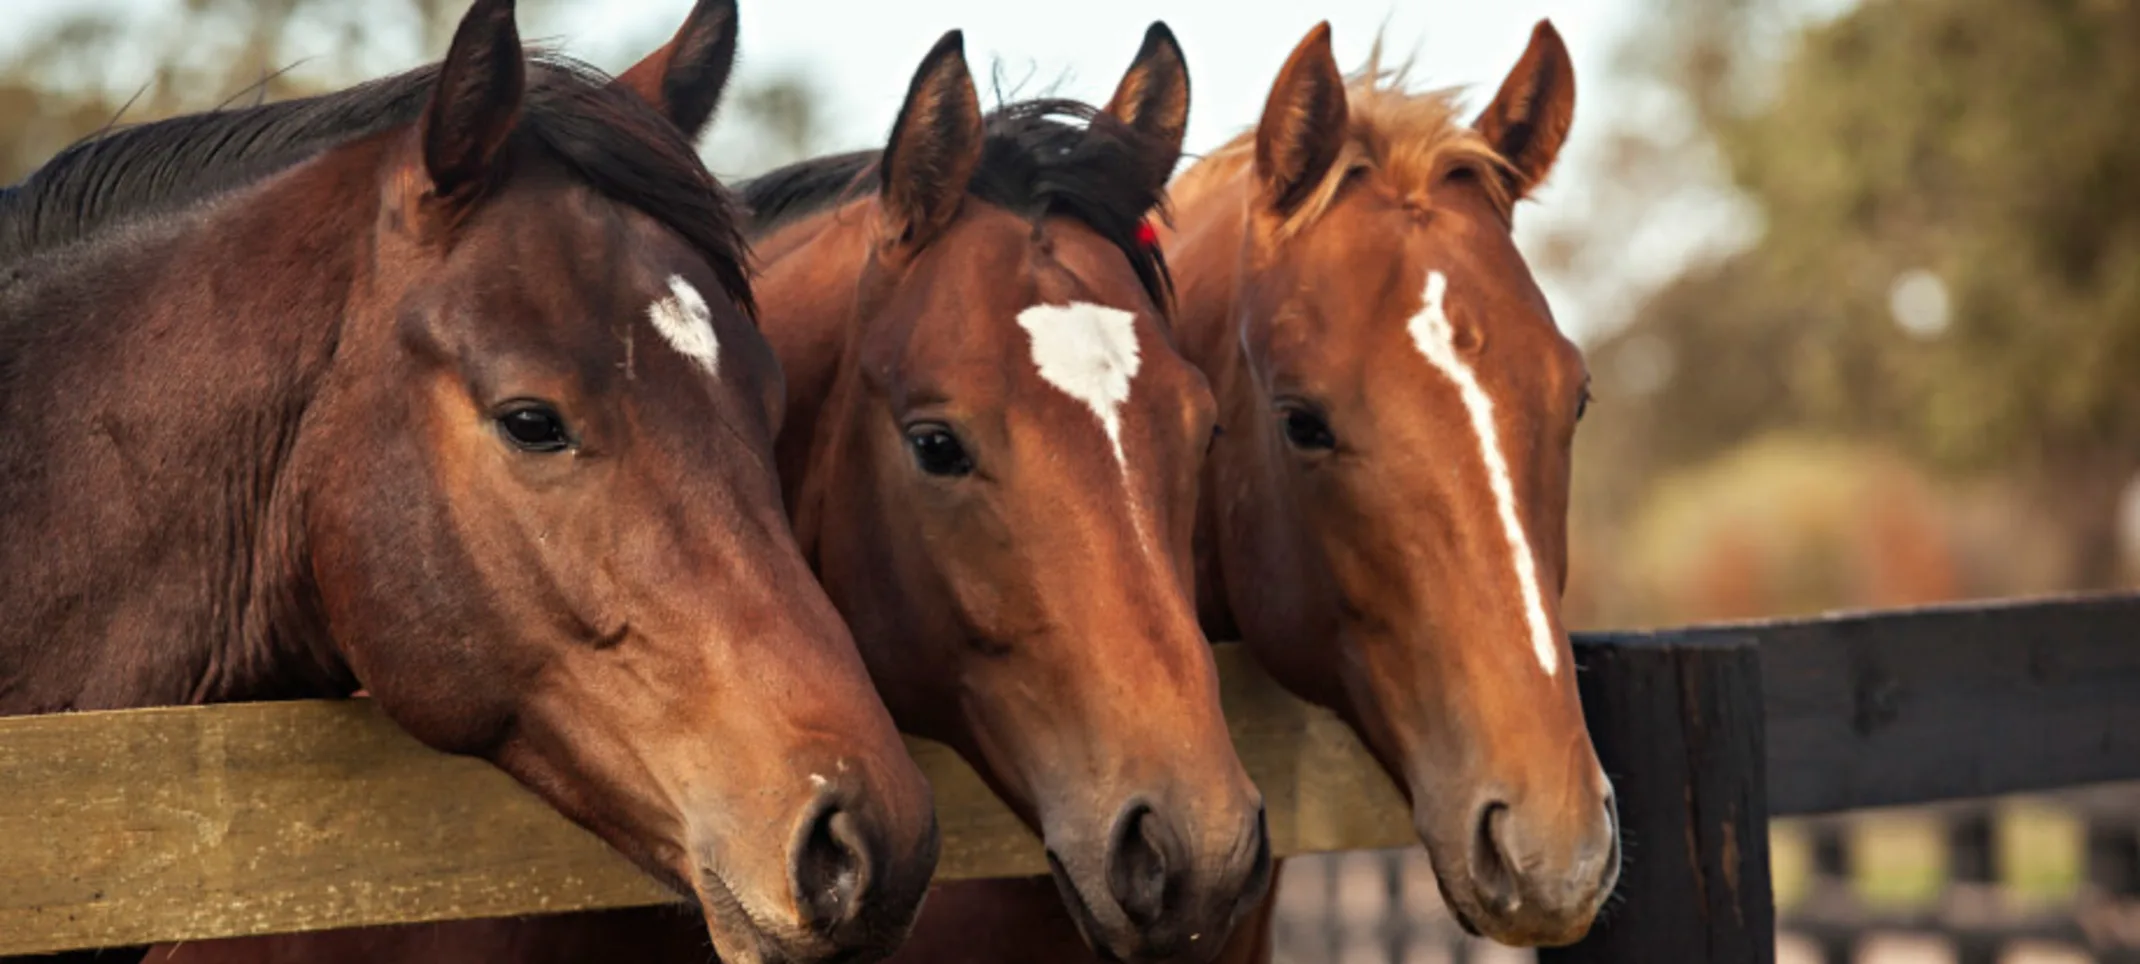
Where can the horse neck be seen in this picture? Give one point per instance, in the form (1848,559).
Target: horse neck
(1280,608)
(1204,256)
(1208,259)
(807,290)
(150,546)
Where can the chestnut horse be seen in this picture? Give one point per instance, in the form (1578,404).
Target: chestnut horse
(475,417)
(1384,515)
(992,460)
(1386,528)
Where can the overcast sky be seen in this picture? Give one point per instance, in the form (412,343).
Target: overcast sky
(861,53)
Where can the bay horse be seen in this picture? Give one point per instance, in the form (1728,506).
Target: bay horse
(993,462)
(447,386)
(1384,514)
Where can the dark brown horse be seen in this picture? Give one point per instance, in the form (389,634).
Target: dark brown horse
(1384,514)
(447,387)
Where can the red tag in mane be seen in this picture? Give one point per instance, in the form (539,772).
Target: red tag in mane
(1147,235)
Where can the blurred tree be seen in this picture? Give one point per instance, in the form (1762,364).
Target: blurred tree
(101,65)
(767,121)
(1949,256)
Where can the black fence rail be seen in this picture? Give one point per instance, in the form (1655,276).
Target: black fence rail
(1878,710)
(1981,910)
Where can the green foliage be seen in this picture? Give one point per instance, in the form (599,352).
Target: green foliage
(1990,143)
(765,122)
(152,60)
(1968,166)
(146,61)
(1789,526)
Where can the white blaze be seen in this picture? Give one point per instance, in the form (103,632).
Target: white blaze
(684,320)
(1436,339)
(1089,352)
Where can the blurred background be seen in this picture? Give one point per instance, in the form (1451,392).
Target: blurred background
(1859,285)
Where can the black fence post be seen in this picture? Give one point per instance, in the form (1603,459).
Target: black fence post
(1678,722)
(1333,907)
(2113,868)
(1973,875)
(1830,840)
(1397,910)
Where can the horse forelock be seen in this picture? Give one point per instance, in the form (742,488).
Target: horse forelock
(1409,138)
(1040,158)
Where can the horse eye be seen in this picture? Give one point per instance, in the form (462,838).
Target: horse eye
(1582,403)
(1307,430)
(939,452)
(535,428)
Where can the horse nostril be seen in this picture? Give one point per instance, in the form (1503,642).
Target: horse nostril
(831,868)
(1493,874)
(1137,866)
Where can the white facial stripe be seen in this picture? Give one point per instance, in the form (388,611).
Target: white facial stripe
(1089,352)
(1436,339)
(684,320)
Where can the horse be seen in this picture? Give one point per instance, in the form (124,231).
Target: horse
(994,463)
(991,460)
(1383,522)
(1385,526)
(475,417)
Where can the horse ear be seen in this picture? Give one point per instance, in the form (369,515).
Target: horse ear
(685,77)
(476,100)
(1153,98)
(1528,119)
(1303,125)
(935,146)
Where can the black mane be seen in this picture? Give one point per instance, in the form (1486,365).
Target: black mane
(1039,158)
(608,138)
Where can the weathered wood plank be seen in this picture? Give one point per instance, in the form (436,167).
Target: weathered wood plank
(1678,727)
(159,824)
(1892,708)
(182,824)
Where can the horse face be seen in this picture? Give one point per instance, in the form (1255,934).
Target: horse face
(547,530)
(1394,475)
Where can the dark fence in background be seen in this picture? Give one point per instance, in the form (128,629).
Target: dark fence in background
(1376,906)
(1847,713)
(1381,907)
(1984,910)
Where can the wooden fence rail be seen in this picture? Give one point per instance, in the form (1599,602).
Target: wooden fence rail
(176,824)
(131,827)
